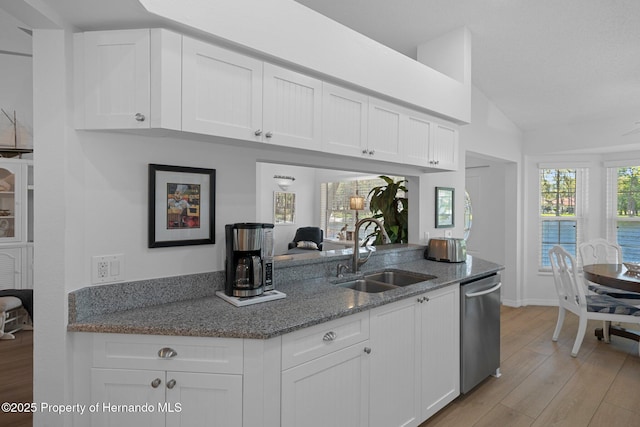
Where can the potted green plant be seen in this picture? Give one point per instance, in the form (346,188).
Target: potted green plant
(392,208)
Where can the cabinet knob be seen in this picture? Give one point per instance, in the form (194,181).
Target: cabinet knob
(140,117)
(167,353)
(426,299)
(258,132)
(367,350)
(268,134)
(156,383)
(171,384)
(372,152)
(364,151)
(330,336)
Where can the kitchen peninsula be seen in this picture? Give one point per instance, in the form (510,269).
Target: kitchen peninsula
(257,358)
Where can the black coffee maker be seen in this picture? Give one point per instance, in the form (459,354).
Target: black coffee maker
(249,263)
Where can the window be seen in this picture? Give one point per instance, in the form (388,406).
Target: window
(623,204)
(562,209)
(335,210)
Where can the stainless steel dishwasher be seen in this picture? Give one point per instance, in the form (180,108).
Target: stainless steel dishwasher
(479,330)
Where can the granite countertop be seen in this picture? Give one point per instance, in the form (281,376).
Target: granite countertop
(308,302)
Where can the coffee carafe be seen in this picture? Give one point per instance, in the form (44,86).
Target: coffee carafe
(249,263)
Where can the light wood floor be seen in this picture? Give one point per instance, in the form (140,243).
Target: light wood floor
(16,377)
(542,385)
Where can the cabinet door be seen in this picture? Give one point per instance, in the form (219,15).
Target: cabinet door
(12,203)
(292,108)
(200,400)
(416,131)
(332,390)
(344,121)
(116,79)
(395,365)
(444,147)
(221,91)
(384,137)
(114,390)
(440,341)
(11,262)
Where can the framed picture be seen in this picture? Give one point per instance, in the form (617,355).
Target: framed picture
(284,208)
(444,207)
(181,206)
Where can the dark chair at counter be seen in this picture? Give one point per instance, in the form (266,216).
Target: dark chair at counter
(308,238)
(571,296)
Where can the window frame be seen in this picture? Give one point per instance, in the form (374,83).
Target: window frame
(579,216)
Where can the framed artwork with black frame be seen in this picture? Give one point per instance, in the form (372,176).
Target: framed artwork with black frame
(445,207)
(181,206)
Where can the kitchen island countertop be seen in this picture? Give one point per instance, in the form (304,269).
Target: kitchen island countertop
(308,302)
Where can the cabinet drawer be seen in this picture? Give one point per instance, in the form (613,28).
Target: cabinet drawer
(196,354)
(310,343)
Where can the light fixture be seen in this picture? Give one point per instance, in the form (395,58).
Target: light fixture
(356,202)
(284,182)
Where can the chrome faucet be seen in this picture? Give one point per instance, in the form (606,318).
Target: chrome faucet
(357,261)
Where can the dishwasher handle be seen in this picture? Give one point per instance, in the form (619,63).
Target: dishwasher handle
(485,292)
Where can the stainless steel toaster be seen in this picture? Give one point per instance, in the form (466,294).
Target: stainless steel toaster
(447,250)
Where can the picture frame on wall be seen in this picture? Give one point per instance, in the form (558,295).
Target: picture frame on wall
(284,208)
(181,206)
(445,208)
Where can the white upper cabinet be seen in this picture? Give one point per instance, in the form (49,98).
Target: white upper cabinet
(221,91)
(154,78)
(292,108)
(344,121)
(417,131)
(384,142)
(119,73)
(443,153)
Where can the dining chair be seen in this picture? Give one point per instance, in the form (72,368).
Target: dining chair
(571,297)
(602,251)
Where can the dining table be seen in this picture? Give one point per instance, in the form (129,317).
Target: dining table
(614,276)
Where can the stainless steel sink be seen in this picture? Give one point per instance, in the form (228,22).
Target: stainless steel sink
(368,286)
(385,281)
(398,278)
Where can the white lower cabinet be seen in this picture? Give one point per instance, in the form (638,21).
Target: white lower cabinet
(172,381)
(325,378)
(329,391)
(165,398)
(395,365)
(439,349)
(415,358)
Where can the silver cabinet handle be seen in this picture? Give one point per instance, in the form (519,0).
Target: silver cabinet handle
(171,384)
(156,383)
(258,132)
(167,353)
(367,350)
(330,336)
(268,134)
(140,117)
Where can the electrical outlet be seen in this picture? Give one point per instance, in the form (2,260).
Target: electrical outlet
(448,233)
(107,268)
